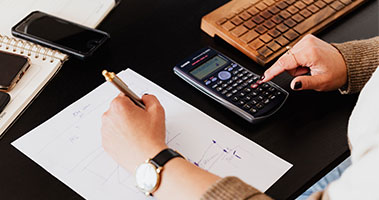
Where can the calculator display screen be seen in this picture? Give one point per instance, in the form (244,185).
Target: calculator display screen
(208,67)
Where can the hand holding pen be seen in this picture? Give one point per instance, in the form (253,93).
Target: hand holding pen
(113,78)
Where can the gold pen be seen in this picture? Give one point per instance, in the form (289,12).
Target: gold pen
(113,78)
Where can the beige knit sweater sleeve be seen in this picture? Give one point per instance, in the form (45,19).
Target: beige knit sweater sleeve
(362,58)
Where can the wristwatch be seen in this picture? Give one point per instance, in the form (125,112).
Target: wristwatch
(148,174)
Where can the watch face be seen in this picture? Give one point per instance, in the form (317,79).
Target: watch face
(147,177)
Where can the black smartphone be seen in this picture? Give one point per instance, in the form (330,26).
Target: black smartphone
(4,100)
(60,34)
(12,68)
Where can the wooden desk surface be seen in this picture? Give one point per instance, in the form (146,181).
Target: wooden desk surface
(151,37)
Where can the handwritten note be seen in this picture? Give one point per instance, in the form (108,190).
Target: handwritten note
(69,145)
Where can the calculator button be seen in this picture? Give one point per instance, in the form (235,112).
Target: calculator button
(266,101)
(271,89)
(260,89)
(230,69)
(265,85)
(208,82)
(241,94)
(224,85)
(239,81)
(278,93)
(235,98)
(247,90)
(229,95)
(244,78)
(234,65)
(240,69)
(247,98)
(266,93)
(241,102)
(244,84)
(229,88)
(229,82)
(239,87)
(247,106)
(254,85)
(235,72)
(254,94)
(249,75)
(254,102)
(224,92)
(259,106)
(219,89)
(234,78)
(234,84)
(272,97)
(214,86)
(240,75)
(224,75)
(219,82)
(253,110)
(234,91)
(214,79)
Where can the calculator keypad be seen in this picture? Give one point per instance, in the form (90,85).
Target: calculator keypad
(239,86)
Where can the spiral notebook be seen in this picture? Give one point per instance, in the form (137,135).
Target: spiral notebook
(45,62)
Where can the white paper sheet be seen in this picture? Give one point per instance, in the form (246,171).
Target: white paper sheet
(69,145)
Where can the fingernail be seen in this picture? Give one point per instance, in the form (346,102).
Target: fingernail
(298,85)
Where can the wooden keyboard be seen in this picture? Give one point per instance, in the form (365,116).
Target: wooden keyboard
(262,29)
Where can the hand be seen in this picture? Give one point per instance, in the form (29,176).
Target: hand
(130,134)
(324,62)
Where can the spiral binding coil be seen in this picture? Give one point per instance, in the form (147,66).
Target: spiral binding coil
(27,48)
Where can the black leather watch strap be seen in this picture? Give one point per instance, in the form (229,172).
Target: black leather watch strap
(164,156)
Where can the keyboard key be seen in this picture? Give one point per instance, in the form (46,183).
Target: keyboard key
(228,26)
(320,4)
(274,10)
(261,29)
(289,2)
(238,31)
(247,106)
(274,33)
(249,24)
(277,19)
(248,37)
(291,35)
(282,5)
(337,5)
(256,44)
(292,9)
(269,24)
(266,14)
(308,2)
(285,14)
(313,8)
(236,20)
(245,15)
(257,19)
(261,6)
(290,23)
(253,11)
(264,51)
(328,1)
(314,20)
(282,28)
(300,5)
(346,2)
(306,13)
(269,2)
(230,15)
(273,46)
(253,110)
(265,38)
(282,41)
(298,18)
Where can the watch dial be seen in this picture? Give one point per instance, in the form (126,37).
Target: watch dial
(146,177)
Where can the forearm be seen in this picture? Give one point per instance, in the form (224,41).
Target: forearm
(361,58)
(181,179)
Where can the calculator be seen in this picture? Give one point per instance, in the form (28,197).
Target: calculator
(231,84)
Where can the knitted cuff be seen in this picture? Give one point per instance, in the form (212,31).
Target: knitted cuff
(361,58)
(233,188)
